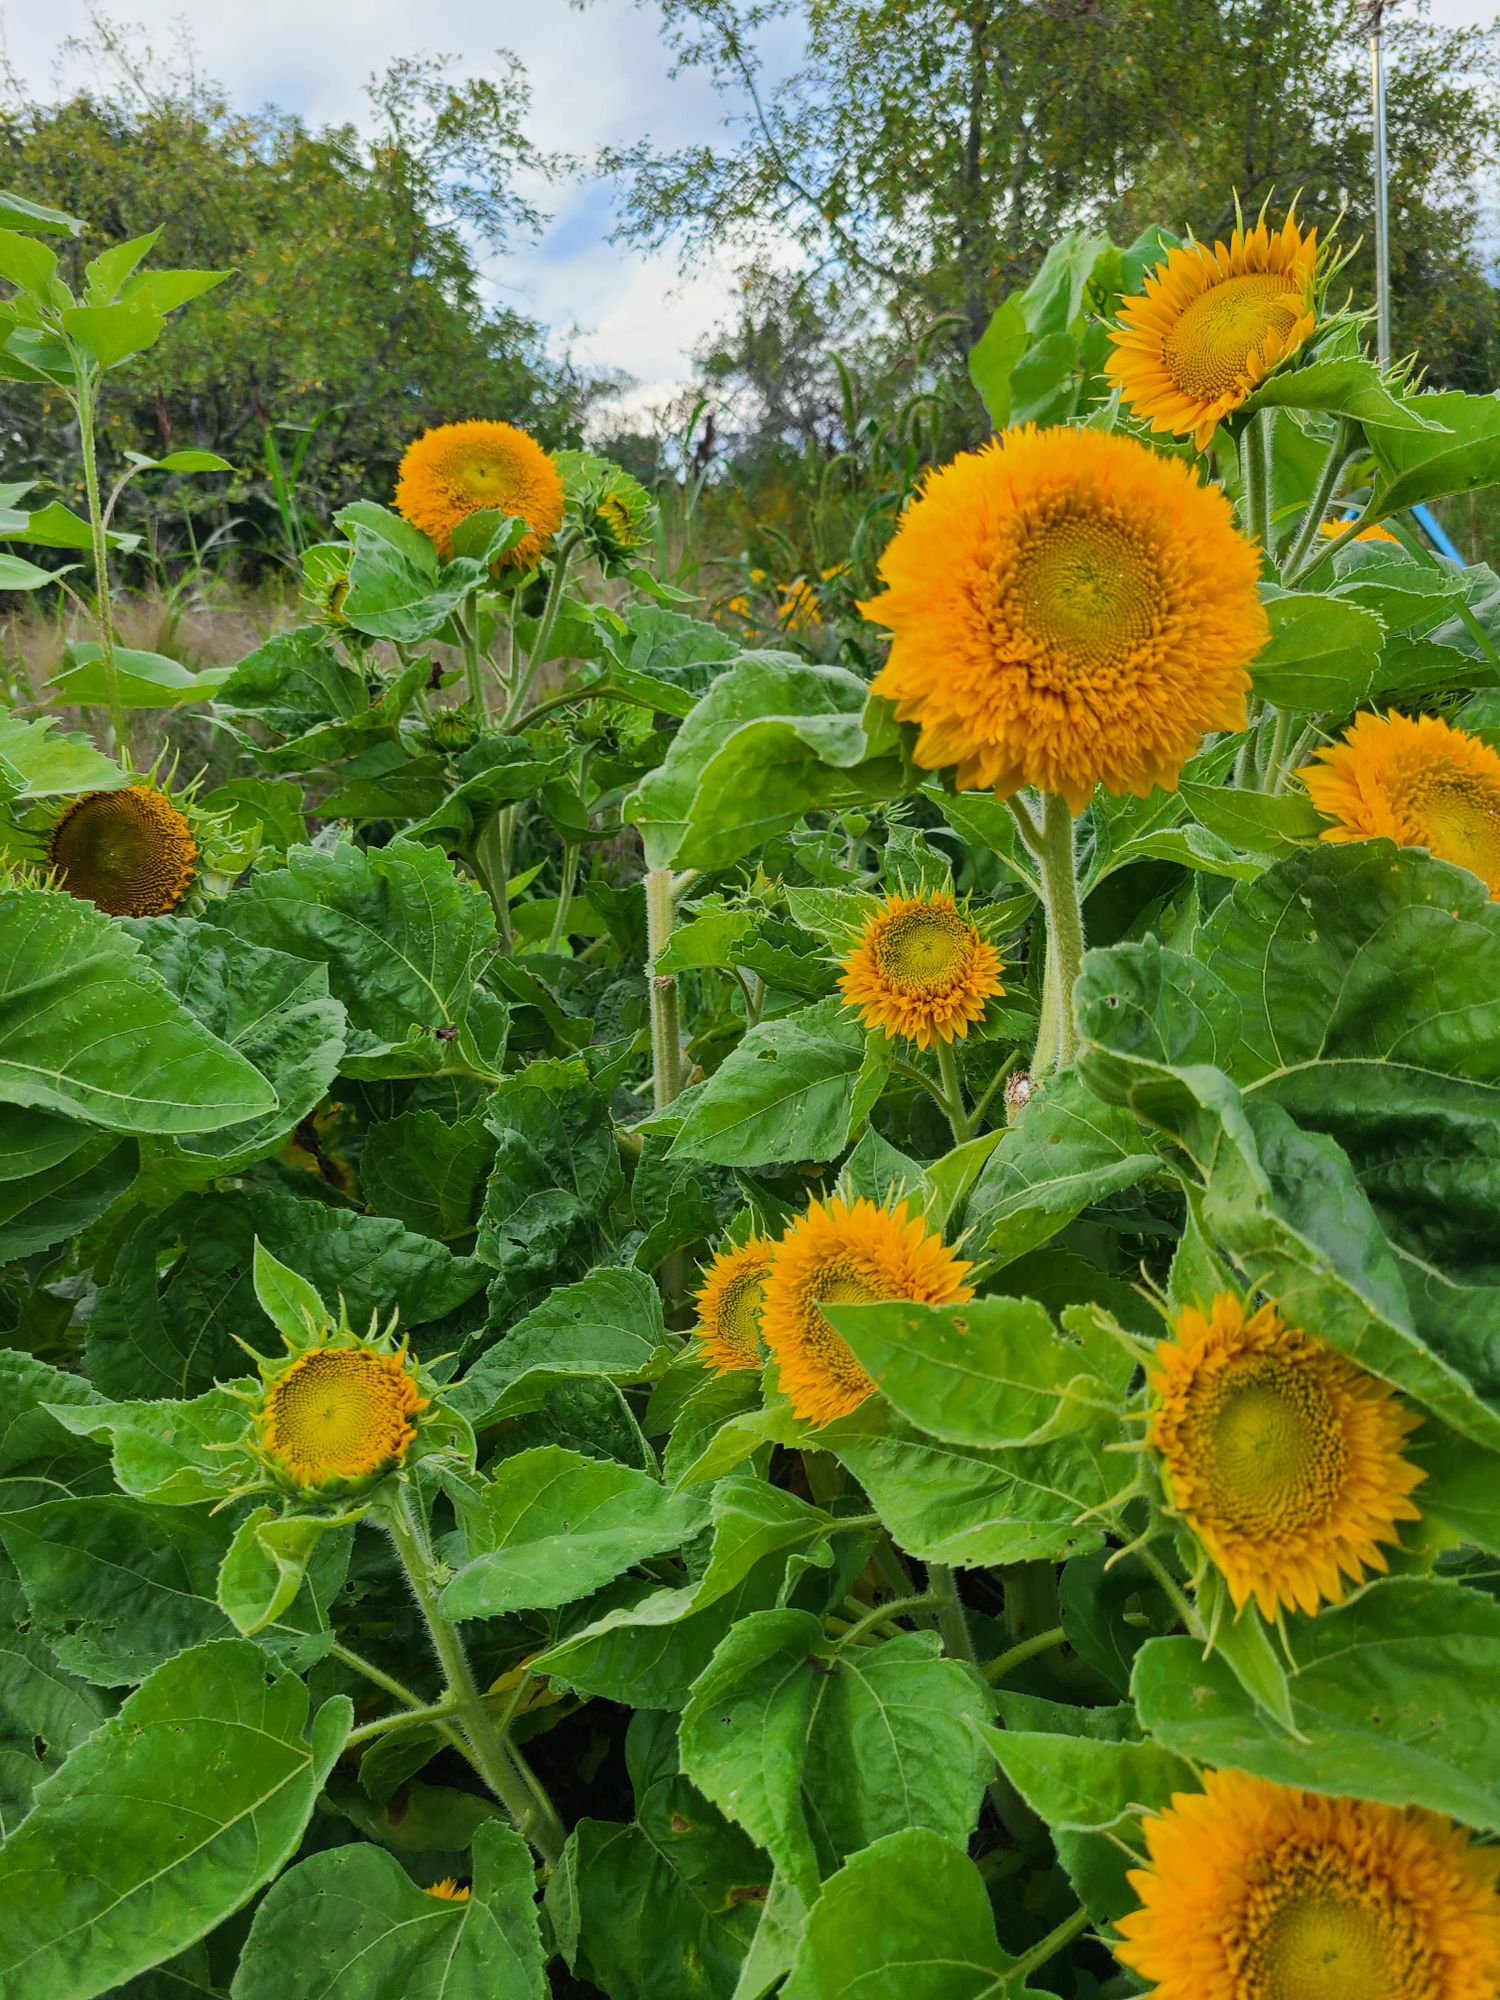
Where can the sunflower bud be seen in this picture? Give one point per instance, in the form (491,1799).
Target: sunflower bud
(337,1413)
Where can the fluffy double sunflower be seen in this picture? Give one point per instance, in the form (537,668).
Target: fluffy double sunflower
(1283,1457)
(1415,780)
(729,1304)
(846,1254)
(921,969)
(458,469)
(1211,324)
(1068,609)
(1257,1891)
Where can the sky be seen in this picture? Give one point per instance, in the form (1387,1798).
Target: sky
(599,76)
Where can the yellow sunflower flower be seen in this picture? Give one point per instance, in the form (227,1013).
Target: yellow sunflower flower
(338,1414)
(1415,780)
(842,1255)
(729,1303)
(130,853)
(1068,609)
(1212,324)
(1256,1891)
(447,1891)
(1283,1457)
(1374,533)
(457,469)
(920,969)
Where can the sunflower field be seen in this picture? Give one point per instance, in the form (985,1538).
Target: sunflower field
(692,1322)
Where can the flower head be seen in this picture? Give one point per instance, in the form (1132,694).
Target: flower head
(1068,609)
(447,1891)
(338,1413)
(1283,1457)
(131,852)
(1415,780)
(838,1254)
(1211,324)
(729,1303)
(921,969)
(458,469)
(1332,530)
(614,512)
(1256,1891)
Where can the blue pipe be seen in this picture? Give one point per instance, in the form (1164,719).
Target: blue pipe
(1426,520)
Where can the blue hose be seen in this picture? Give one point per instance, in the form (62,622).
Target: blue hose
(1426,520)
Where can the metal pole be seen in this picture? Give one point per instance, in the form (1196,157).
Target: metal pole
(1382,176)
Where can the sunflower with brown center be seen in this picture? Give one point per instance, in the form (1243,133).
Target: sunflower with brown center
(131,853)
(1212,324)
(920,969)
(458,469)
(1068,609)
(1415,780)
(1256,1891)
(338,1414)
(838,1254)
(729,1303)
(1283,1457)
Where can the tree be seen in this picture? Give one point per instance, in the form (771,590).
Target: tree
(928,150)
(356,304)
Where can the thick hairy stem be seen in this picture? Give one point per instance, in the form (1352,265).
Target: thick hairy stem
(1255,470)
(518,693)
(533,1815)
(1051,844)
(666,1034)
(1328,480)
(953,1092)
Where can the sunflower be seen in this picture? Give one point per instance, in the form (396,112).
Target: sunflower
(131,853)
(1211,324)
(1256,1891)
(1283,1457)
(338,1414)
(1069,609)
(920,969)
(729,1303)
(842,1255)
(1374,533)
(447,1891)
(457,469)
(1415,780)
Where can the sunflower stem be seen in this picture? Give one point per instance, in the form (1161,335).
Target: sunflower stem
(896,1607)
(564,895)
(1317,507)
(530,1810)
(538,650)
(468,625)
(1174,1591)
(406,1718)
(666,1034)
(83,407)
(1019,1821)
(1030,1598)
(1051,1944)
(1255,471)
(1052,845)
(953,1092)
(1006,1663)
(1275,772)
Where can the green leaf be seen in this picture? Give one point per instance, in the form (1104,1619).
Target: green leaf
(1254,820)
(16,212)
(397,588)
(405,941)
(1067,1150)
(1351,387)
(45,1712)
(56,527)
(79,1002)
(610,1324)
(170,1453)
(36,764)
(909,1919)
(211,1741)
(1322,655)
(553,1525)
(427,1172)
(112,334)
(274,1010)
(1087,1782)
(1424,465)
(818,1752)
(796,1088)
(992,1373)
(350,1924)
(17,574)
(265,1565)
(771,740)
(993,358)
(142,680)
(165,291)
(40,1209)
(107,272)
(1393,1695)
